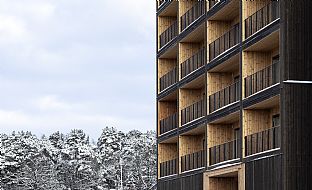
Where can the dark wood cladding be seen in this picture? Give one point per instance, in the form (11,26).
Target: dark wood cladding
(192,182)
(224,97)
(193,63)
(192,14)
(264,174)
(193,161)
(262,18)
(168,123)
(168,34)
(262,141)
(224,152)
(262,79)
(225,42)
(168,79)
(169,168)
(170,184)
(193,112)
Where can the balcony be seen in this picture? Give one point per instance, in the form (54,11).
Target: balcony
(169,168)
(262,18)
(262,79)
(193,112)
(169,34)
(168,124)
(213,3)
(168,79)
(192,14)
(224,97)
(193,63)
(224,152)
(225,42)
(193,161)
(263,141)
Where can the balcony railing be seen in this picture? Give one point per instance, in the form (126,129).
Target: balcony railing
(262,79)
(193,161)
(265,140)
(224,152)
(160,2)
(169,34)
(193,112)
(168,123)
(169,168)
(192,14)
(168,79)
(212,3)
(225,42)
(224,97)
(262,18)
(193,63)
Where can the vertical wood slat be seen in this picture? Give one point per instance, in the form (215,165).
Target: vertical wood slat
(168,168)
(168,34)
(262,18)
(262,79)
(193,161)
(193,112)
(168,79)
(193,63)
(223,152)
(224,42)
(224,97)
(263,141)
(192,14)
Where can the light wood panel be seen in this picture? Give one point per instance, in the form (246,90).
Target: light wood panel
(190,144)
(218,81)
(167,152)
(249,8)
(165,109)
(163,24)
(215,29)
(190,96)
(219,134)
(164,66)
(187,50)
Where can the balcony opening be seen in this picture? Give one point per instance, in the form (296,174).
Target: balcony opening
(192,101)
(262,127)
(225,182)
(258,14)
(192,56)
(167,115)
(192,150)
(261,70)
(190,11)
(167,27)
(223,31)
(223,86)
(168,158)
(224,141)
(167,73)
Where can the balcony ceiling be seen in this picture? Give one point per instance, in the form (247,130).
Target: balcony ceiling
(230,65)
(267,104)
(171,10)
(198,35)
(266,44)
(229,119)
(228,13)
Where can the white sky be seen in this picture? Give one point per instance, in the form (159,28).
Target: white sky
(83,64)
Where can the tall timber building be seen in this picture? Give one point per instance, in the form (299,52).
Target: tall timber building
(234,95)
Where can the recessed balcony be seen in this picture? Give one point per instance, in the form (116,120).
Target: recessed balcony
(228,40)
(169,34)
(193,63)
(262,79)
(191,15)
(168,158)
(261,18)
(168,79)
(193,161)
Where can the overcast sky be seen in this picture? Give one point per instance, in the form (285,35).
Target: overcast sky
(83,64)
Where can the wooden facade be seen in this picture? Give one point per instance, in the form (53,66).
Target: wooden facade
(234,88)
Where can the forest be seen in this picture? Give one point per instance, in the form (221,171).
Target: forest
(117,160)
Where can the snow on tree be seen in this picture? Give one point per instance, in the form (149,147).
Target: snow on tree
(70,162)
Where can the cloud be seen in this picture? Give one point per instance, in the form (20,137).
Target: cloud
(77,63)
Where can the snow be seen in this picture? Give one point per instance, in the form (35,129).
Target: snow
(66,162)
